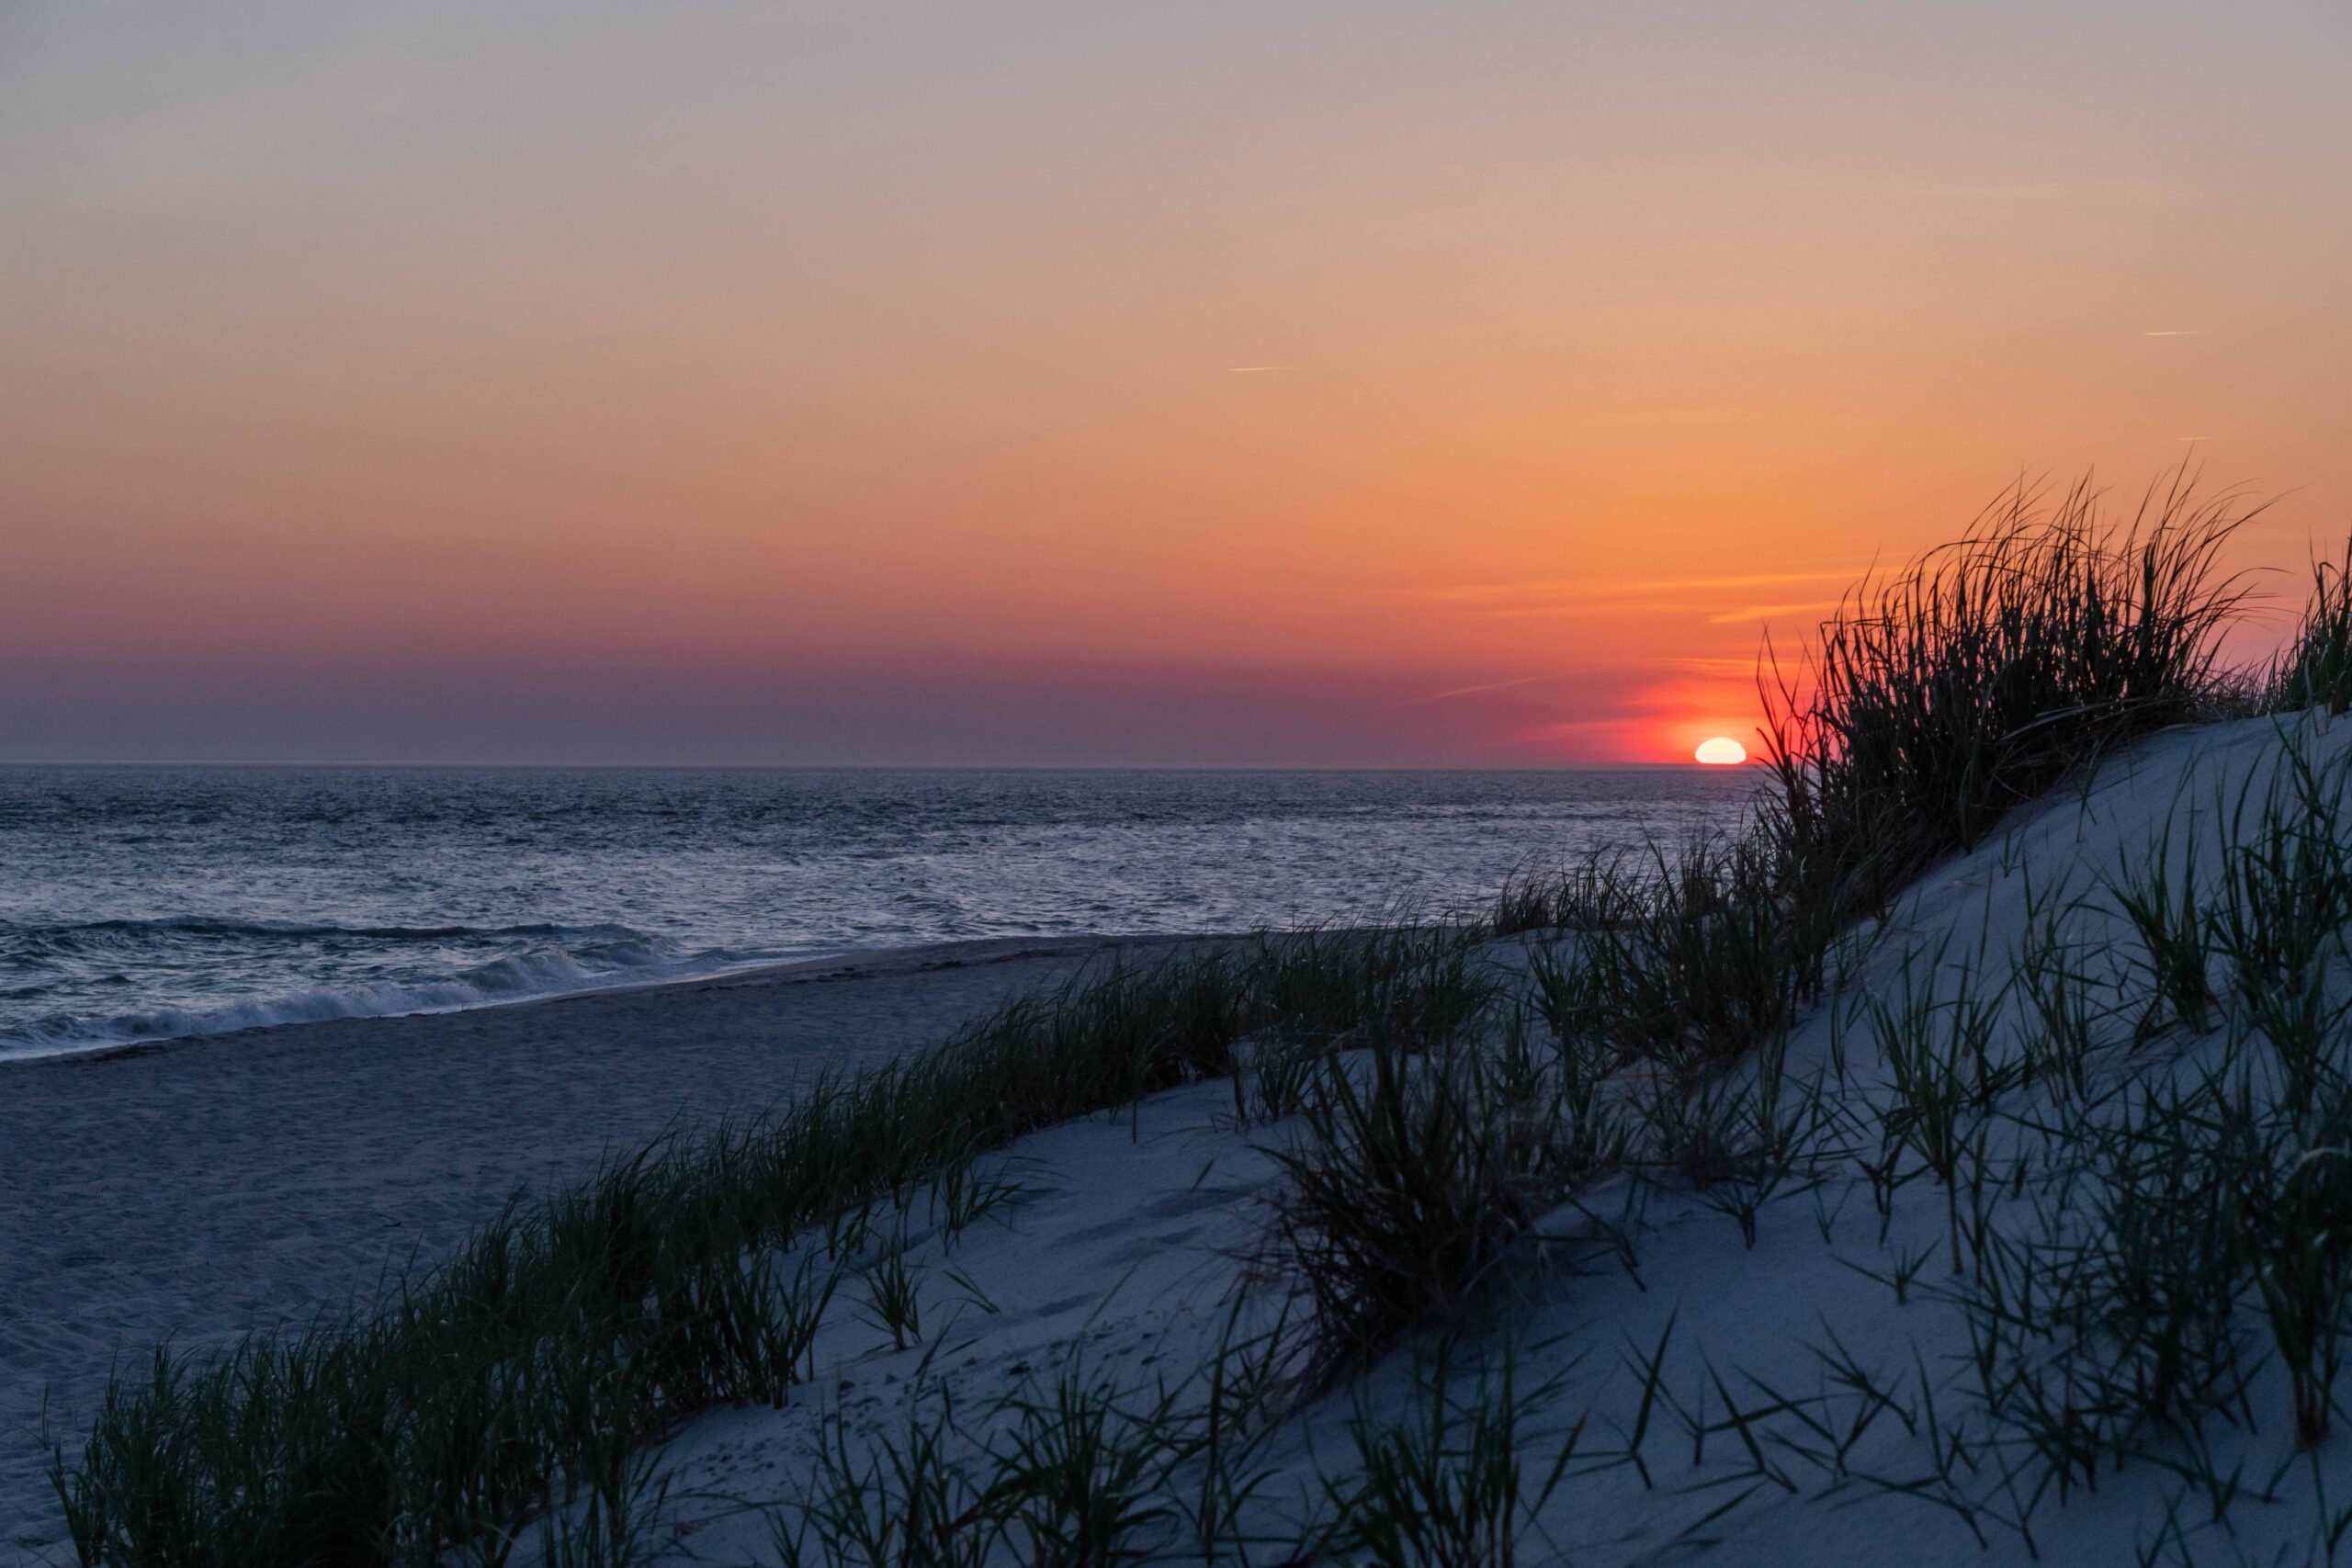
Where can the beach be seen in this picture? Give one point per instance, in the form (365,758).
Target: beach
(1806,1353)
(193,1191)
(1858,1275)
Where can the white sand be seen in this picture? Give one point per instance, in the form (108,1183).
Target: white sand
(1127,1255)
(194,1190)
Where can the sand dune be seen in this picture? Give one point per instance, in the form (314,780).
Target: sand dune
(1124,1259)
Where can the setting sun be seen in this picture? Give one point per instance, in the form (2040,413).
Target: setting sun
(1722,751)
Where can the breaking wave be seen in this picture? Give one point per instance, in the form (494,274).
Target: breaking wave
(593,958)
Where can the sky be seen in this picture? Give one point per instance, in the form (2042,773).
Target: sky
(1091,383)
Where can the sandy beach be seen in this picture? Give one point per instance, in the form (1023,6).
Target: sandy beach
(1723,1351)
(197,1190)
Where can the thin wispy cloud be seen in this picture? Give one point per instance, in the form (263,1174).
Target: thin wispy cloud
(1573,593)
(1494,686)
(2176,332)
(1770,611)
(1253,370)
(1693,666)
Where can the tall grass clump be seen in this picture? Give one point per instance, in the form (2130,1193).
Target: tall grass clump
(1413,1176)
(1936,700)
(2286,891)
(2162,905)
(1585,896)
(1986,671)
(2315,669)
(1412,985)
(1449,1485)
(1701,956)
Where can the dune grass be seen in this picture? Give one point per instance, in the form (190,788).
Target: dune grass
(1982,673)
(1934,700)
(1701,956)
(2173,1262)
(1073,1470)
(1409,1182)
(2315,669)
(1449,1485)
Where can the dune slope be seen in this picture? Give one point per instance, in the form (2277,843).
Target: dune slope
(2019,1253)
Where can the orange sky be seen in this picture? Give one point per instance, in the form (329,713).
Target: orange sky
(1086,383)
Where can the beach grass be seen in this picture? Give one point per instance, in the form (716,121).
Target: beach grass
(2315,671)
(1944,694)
(1448,1480)
(1411,1177)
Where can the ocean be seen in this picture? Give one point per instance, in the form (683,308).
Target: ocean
(143,903)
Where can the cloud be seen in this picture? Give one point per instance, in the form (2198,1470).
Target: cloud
(1473,593)
(1495,686)
(1563,595)
(1621,672)
(1768,612)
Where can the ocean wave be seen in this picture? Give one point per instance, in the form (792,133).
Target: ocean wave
(147,903)
(214,925)
(518,977)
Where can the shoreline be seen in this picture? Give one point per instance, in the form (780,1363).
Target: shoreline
(977,950)
(324,1156)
